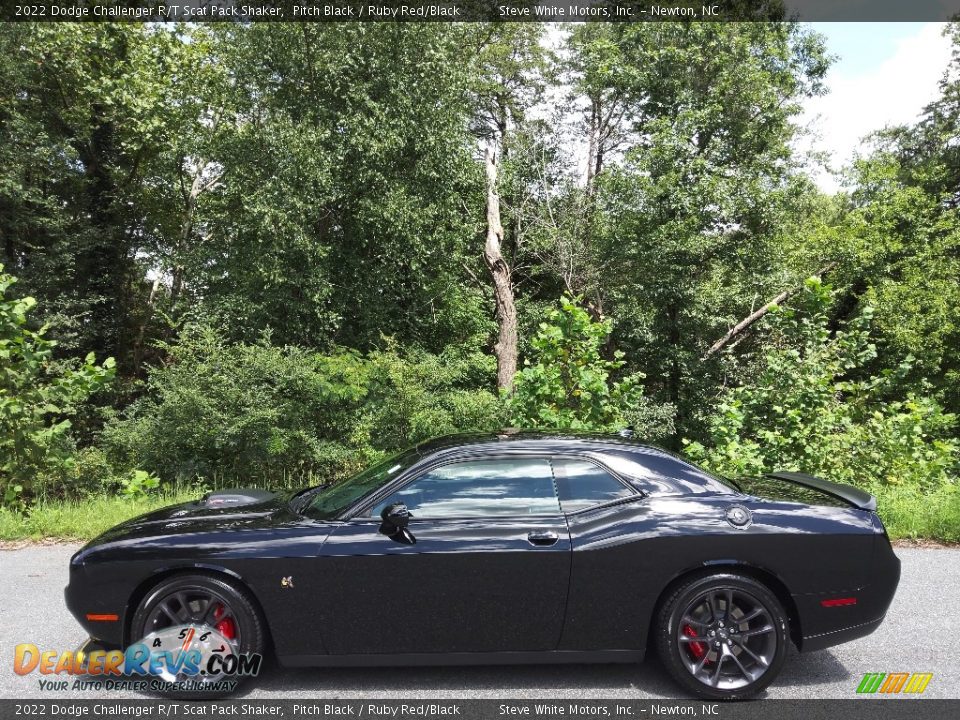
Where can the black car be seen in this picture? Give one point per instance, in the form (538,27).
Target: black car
(515,547)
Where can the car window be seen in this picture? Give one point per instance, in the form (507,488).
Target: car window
(330,501)
(480,488)
(660,473)
(582,484)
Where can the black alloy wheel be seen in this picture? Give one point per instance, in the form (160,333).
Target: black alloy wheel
(204,601)
(722,637)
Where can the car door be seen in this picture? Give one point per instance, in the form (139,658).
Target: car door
(487,570)
(609,579)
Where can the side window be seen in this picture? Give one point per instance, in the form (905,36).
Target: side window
(582,484)
(480,488)
(661,473)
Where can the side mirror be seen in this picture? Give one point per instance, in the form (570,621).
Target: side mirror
(396,514)
(395,518)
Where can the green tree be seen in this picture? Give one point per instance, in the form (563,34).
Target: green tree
(810,408)
(37,398)
(79,123)
(691,215)
(348,193)
(899,241)
(569,385)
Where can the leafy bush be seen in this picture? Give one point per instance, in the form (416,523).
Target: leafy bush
(37,398)
(257,413)
(418,395)
(139,483)
(90,473)
(569,385)
(808,409)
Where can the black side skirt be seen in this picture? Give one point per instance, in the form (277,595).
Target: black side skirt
(464,658)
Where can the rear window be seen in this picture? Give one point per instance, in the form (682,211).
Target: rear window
(581,484)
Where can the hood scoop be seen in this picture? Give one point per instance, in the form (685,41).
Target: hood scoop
(235,497)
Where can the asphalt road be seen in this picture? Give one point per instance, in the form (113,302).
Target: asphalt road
(921,634)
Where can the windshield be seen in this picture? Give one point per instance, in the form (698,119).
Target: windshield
(333,500)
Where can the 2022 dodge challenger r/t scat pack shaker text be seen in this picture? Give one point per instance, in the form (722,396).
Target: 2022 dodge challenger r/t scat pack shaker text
(507,548)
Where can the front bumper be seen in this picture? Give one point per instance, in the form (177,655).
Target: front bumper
(87,602)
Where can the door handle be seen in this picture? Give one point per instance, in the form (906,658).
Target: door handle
(543,538)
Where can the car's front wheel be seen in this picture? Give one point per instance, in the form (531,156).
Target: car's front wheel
(205,615)
(722,636)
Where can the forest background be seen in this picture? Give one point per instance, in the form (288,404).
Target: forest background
(270,254)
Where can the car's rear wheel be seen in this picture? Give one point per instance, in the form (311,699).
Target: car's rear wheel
(722,636)
(203,603)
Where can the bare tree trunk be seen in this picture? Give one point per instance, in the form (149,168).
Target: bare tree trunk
(142,327)
(506,346)
(750,319)
(198,185)
(593,144)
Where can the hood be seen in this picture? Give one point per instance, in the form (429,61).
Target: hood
(236,508)
(219,505)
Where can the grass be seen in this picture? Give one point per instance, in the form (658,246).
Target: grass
(82,519)
(907,513)
(910,514)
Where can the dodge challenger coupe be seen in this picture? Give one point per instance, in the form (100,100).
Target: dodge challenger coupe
(506,548)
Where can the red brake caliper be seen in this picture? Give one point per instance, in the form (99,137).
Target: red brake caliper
(224,626)
(697,649)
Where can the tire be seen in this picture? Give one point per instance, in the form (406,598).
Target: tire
(249,632)
(712,657)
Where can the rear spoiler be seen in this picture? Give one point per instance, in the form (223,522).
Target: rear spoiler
(856,497)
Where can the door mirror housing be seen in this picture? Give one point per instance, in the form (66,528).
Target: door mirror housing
(396,514)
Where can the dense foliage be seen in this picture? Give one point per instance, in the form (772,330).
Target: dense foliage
(810,408)
(309,245)
(37,398)
(568,384)
(267,413)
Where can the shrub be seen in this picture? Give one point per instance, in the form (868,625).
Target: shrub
(570,386)
(257,413)
(805,411)
(37,398)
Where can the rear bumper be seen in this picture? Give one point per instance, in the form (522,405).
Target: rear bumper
(832,624)
(836,637)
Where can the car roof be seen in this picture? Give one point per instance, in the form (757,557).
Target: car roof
(540,439)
